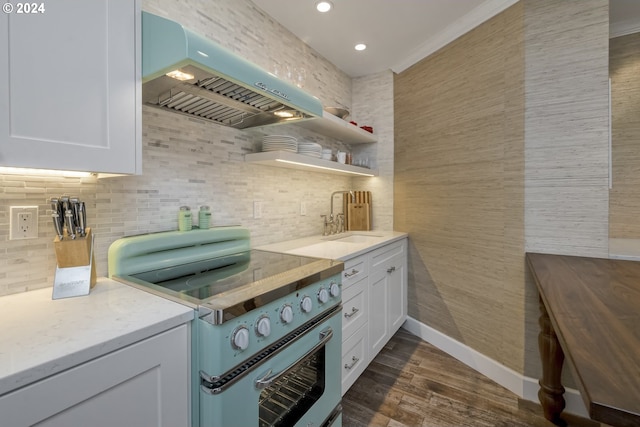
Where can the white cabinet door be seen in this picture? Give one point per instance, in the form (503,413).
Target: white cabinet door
(144,385)
(397,294)
(387,293)
(379,315)
(70,84)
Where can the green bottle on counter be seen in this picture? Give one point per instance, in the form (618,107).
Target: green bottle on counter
(204,218)
(185,221)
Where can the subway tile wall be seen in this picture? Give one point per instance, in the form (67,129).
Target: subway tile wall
(189,161)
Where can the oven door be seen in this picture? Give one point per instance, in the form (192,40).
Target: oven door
(298,386)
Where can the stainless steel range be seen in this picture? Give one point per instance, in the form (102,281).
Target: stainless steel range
(266,342)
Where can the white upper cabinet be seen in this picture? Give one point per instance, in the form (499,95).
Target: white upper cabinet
(70,84)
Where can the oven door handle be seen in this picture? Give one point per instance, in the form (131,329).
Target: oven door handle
(268,379)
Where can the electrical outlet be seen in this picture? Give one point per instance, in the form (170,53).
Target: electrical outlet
(303,208)
(23,222)
(257,210)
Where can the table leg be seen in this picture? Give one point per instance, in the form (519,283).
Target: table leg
(551,389)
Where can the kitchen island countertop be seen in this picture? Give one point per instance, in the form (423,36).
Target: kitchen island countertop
(342,246)
(40,337)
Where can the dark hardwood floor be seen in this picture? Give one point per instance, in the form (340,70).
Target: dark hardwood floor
(413,384)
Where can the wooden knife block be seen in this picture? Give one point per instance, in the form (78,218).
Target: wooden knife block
(76,252)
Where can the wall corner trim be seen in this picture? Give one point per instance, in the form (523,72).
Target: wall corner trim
(524,387)
(468,22)
(624,28)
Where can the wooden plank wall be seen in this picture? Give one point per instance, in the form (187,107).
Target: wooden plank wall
(624,197)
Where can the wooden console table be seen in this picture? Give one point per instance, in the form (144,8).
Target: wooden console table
(590,314)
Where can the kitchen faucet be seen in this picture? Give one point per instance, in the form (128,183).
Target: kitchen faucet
(335,226)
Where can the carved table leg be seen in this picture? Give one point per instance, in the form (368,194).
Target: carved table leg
(551,389)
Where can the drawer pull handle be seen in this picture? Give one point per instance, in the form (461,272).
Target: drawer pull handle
(353,312)
(391,270)
(353,273)
(354,360)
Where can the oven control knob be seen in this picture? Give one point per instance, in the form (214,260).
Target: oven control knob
(286,314)
(323,295)
(240,338)
(263,327)
(334,289)
(306,304)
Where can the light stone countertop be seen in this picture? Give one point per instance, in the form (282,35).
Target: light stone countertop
(626,249)
(40,337)
(341,246)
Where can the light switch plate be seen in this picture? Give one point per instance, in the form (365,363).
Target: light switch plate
(257,210)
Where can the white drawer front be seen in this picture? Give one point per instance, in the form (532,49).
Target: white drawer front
(354,357)
(354,270)
(354,307)
(382,255)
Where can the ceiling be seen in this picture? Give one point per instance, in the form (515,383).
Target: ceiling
(398,33)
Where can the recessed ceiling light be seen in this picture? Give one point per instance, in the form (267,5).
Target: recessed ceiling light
(361,46)
(324,6)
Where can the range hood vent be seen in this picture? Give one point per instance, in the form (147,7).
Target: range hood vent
(189,74)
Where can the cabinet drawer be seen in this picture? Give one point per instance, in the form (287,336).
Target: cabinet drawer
(354,270)
(383,255)
(354,357)
(354,307)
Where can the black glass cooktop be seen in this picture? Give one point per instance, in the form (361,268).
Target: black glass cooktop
(204,279)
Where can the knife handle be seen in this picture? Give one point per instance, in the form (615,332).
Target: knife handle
(56,206)
(82,218)
(64,201)
(57,225)
(71,227)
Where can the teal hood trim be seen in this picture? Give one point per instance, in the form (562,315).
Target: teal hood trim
(223,87)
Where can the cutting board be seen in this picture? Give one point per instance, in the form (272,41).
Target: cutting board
(358,217)
(358,212)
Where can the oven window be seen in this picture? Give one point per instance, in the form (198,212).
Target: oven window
(285,401)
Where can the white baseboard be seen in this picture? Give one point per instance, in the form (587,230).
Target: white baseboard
(524,387)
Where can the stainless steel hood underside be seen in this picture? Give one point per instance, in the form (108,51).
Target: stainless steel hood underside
(214,98)
(219,86)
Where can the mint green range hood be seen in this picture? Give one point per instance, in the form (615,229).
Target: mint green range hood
(189,74)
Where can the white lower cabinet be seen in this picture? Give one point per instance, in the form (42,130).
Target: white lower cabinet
(355,307)
(144,385)
(388,292)
(355,333)
(378,330)
(355,357)
(374,300)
